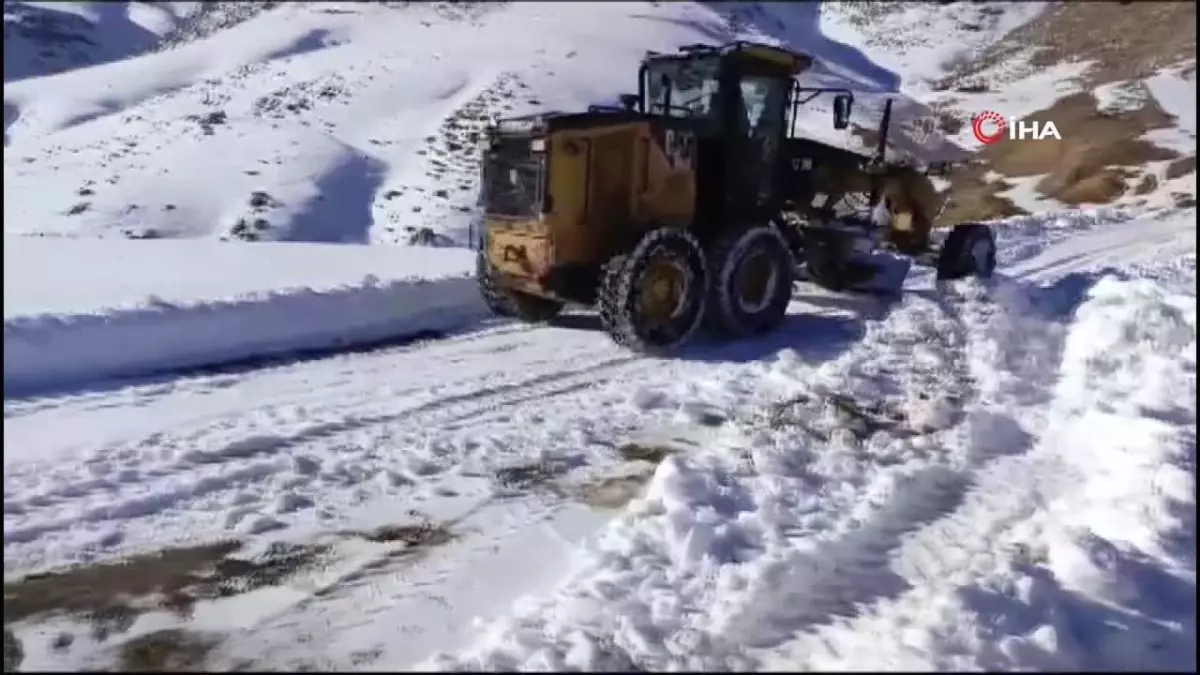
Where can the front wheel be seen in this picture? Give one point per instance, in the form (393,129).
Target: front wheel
(969,251)
(652,299)
(753,271)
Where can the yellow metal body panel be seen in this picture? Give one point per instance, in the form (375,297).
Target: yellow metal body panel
(520,251)
(667,193)
(795,62)
(911,196)
(606,186)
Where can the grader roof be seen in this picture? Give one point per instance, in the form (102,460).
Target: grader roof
(795,62)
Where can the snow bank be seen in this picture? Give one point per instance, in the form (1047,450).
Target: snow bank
(78,310)
(1121,541)
(1101,574)
(1073,550)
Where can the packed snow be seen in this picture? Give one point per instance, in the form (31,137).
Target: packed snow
(933,479)
(974,476)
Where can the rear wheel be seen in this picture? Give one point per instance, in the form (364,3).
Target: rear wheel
(652,299)
(511,303)
(969,251)
(753,271)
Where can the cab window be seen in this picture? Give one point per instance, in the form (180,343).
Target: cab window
(763,103)
(694,86)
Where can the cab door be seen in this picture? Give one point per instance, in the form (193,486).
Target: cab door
(756,129)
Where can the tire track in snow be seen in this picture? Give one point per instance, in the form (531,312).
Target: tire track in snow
(260,448)
(815,578)
(1015,353)
(799,489)
(836,511)
(451,589)
(440,411)
(144,391)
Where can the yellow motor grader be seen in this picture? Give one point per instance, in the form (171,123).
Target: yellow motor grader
(693,203)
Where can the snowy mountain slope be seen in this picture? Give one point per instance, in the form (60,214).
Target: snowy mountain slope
(1118,80)
(376,108)
(358,120)
(934,479)
(43,38)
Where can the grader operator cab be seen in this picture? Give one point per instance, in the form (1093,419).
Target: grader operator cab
(692,203)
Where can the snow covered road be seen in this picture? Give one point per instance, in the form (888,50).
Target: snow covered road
(974,477)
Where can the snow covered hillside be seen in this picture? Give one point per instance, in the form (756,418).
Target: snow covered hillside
(1117,79)
(357,122)
(43,38)
(326,121)
(354,122)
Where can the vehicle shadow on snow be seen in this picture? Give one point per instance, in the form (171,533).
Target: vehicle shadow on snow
(814,335)
(849,572)
(1155,631)
(234,366)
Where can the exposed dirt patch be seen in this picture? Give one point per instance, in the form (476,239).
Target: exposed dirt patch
(1091,141)
(1180,167)
(1183,200)
(973,197)
(1092,164)
(421,535)
(97,590)
(615,492)
(529,476)
(863,14)
(110,596)
(1125,41)
(635,452)
(1147,185)
(166,651)
(416,541)
(816,413)
(949,123)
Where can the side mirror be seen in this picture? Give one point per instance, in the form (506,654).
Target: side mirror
(841,110)
(629,101)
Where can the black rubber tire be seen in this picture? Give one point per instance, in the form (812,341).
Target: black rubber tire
(619,301)
(726,314)
(509,303)
(958,259)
